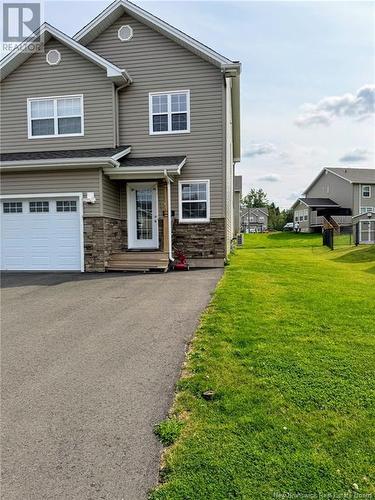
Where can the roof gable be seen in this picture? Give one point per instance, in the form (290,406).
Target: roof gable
(46,32)
(120,7)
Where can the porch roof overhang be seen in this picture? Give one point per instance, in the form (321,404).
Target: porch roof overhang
(68,159)
(147,168)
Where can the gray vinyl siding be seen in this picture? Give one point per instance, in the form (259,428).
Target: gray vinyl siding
(73,75)
(55,181)
(303,224)
(157,64)
(110,197)
(333,187)
(359,201)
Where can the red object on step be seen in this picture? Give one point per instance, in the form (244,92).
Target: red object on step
(181,263)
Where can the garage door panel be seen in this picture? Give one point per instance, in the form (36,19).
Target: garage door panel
(41,241)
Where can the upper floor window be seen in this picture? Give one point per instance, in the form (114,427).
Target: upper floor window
(364,210)
(169,112)
(55,116)
(366,191)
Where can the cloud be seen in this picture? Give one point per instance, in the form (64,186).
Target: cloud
(270,178)
(355,155)
(261,149)
(358,106)
(294,196)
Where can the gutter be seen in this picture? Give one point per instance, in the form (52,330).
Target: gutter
(56,163)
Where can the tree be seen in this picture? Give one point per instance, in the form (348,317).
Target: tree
(277,218)
(255,199)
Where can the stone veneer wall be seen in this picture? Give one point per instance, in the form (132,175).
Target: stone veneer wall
(201,241)
(102,236)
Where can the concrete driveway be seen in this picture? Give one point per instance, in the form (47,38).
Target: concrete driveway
(89,364)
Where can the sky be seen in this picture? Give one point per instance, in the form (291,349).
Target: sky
(307,82)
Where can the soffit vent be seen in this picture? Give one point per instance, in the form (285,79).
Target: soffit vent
(53,57)
(125,33)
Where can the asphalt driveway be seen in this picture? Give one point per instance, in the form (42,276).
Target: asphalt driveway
(89,364)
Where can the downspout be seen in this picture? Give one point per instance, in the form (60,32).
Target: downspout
(117,112)
(170,252)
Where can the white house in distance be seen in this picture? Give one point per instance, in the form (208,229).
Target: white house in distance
(342,197)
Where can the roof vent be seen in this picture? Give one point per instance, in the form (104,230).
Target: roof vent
(125,33)
(53,57)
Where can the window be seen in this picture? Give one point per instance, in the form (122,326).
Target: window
(366,191)
(194,203)
(261,219)
(38,206)
(169,112)
(12,207)
(55,116)
(364,210)
(251,219)
(66,206)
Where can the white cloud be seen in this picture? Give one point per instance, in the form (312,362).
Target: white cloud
(261,149)
(359,106)
(294,196)
(355,155)
(270,178)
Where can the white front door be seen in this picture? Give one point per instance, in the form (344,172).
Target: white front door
(143,215)
(367,231)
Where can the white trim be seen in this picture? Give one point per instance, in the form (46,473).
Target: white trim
(369,222)
(58,58)
(338,175)
(58,195)
(55,116)
(169,93)
(113,72)
(161,26)
(131,33)
(369,191)
(208,201)
(131,220)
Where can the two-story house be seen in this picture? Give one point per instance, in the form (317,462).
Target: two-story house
(118,146)
(340,196)
(254,220)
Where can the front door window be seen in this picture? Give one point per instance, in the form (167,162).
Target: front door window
(142,216)
(143,200)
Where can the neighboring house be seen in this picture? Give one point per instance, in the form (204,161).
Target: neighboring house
(254,219)
(338,196)
(237,195)
(122,138)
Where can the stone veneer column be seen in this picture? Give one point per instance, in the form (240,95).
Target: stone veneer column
(201,241)
(102,236)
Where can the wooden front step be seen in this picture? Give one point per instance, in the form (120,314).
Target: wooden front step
(138,261)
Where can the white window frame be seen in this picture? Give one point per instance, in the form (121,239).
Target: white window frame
(193,221)
(55,117)
(169,112)
(365,210)
(369,190)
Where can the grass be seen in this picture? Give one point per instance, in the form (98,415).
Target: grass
(287,346)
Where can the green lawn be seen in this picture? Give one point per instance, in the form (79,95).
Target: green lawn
(287,345)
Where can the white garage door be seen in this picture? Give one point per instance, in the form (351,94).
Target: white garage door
(41,234)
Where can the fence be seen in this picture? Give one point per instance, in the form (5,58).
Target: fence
(333,240)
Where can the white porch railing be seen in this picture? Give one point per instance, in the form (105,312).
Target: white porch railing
(316,220)
(342,220)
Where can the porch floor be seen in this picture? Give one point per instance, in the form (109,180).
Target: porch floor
(138,261)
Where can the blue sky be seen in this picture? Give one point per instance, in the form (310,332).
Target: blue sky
(293,53)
